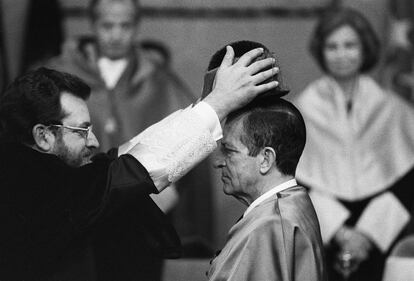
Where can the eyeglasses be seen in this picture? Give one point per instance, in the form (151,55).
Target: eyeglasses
(83,132)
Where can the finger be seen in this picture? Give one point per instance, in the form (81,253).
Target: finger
(265,87)
(248,57)
(264,75)
(228,57)
(260,65)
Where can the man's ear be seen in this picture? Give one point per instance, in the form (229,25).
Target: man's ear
(268,160)
(44,139)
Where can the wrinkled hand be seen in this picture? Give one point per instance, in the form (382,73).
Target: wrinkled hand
(354,243)
(237,84)
(358,244)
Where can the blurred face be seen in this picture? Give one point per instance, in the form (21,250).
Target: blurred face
(343,53)
(239,171)
(74,146)
(115,28)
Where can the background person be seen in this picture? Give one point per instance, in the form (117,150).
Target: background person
(359,150)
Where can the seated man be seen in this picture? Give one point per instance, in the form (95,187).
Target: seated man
(278,236)
(61,208)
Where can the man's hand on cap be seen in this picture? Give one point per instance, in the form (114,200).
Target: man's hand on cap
(237,84)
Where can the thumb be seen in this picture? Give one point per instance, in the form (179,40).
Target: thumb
(228,57)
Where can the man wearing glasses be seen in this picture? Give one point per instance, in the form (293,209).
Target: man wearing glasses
(84,131)
(69,215)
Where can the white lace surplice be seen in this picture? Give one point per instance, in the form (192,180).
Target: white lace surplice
(173,146)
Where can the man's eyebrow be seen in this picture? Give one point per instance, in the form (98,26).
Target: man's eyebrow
(85,124)
(225,144)
(228,146)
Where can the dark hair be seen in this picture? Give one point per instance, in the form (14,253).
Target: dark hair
(93,13)
(240,48)
(334,19)
(34,98)
(273,122)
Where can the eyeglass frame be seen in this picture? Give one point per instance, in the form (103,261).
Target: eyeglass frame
(85,132)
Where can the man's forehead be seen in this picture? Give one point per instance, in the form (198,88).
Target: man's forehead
(116,9)
(232,130)
(75,109)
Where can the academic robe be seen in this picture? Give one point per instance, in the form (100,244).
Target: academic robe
(97,222)
(278,240)
(62,223)
(358,161)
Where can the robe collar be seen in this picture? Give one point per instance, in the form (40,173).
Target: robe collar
(270,193)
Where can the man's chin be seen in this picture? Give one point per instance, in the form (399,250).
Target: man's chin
(227,189)
(86,160)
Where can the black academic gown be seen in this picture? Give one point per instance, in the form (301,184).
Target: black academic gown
(96,222)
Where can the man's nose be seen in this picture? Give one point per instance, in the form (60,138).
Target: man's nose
(92,141)
(219,163)
(116,33)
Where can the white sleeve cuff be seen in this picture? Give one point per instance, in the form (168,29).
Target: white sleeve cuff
(204,112)
(331,214)
(210,119)
(383,219)
(148,131)
(173,146)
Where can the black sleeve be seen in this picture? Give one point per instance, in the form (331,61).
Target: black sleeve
(50,211)
(105,185)
(123,208)
(133,233)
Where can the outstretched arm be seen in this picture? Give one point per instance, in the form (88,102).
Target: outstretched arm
(170,148)
(235,86)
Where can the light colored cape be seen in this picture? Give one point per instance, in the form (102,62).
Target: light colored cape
(278,240)
(353,156)
(356,155)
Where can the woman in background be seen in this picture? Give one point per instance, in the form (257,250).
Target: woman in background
(359,156)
